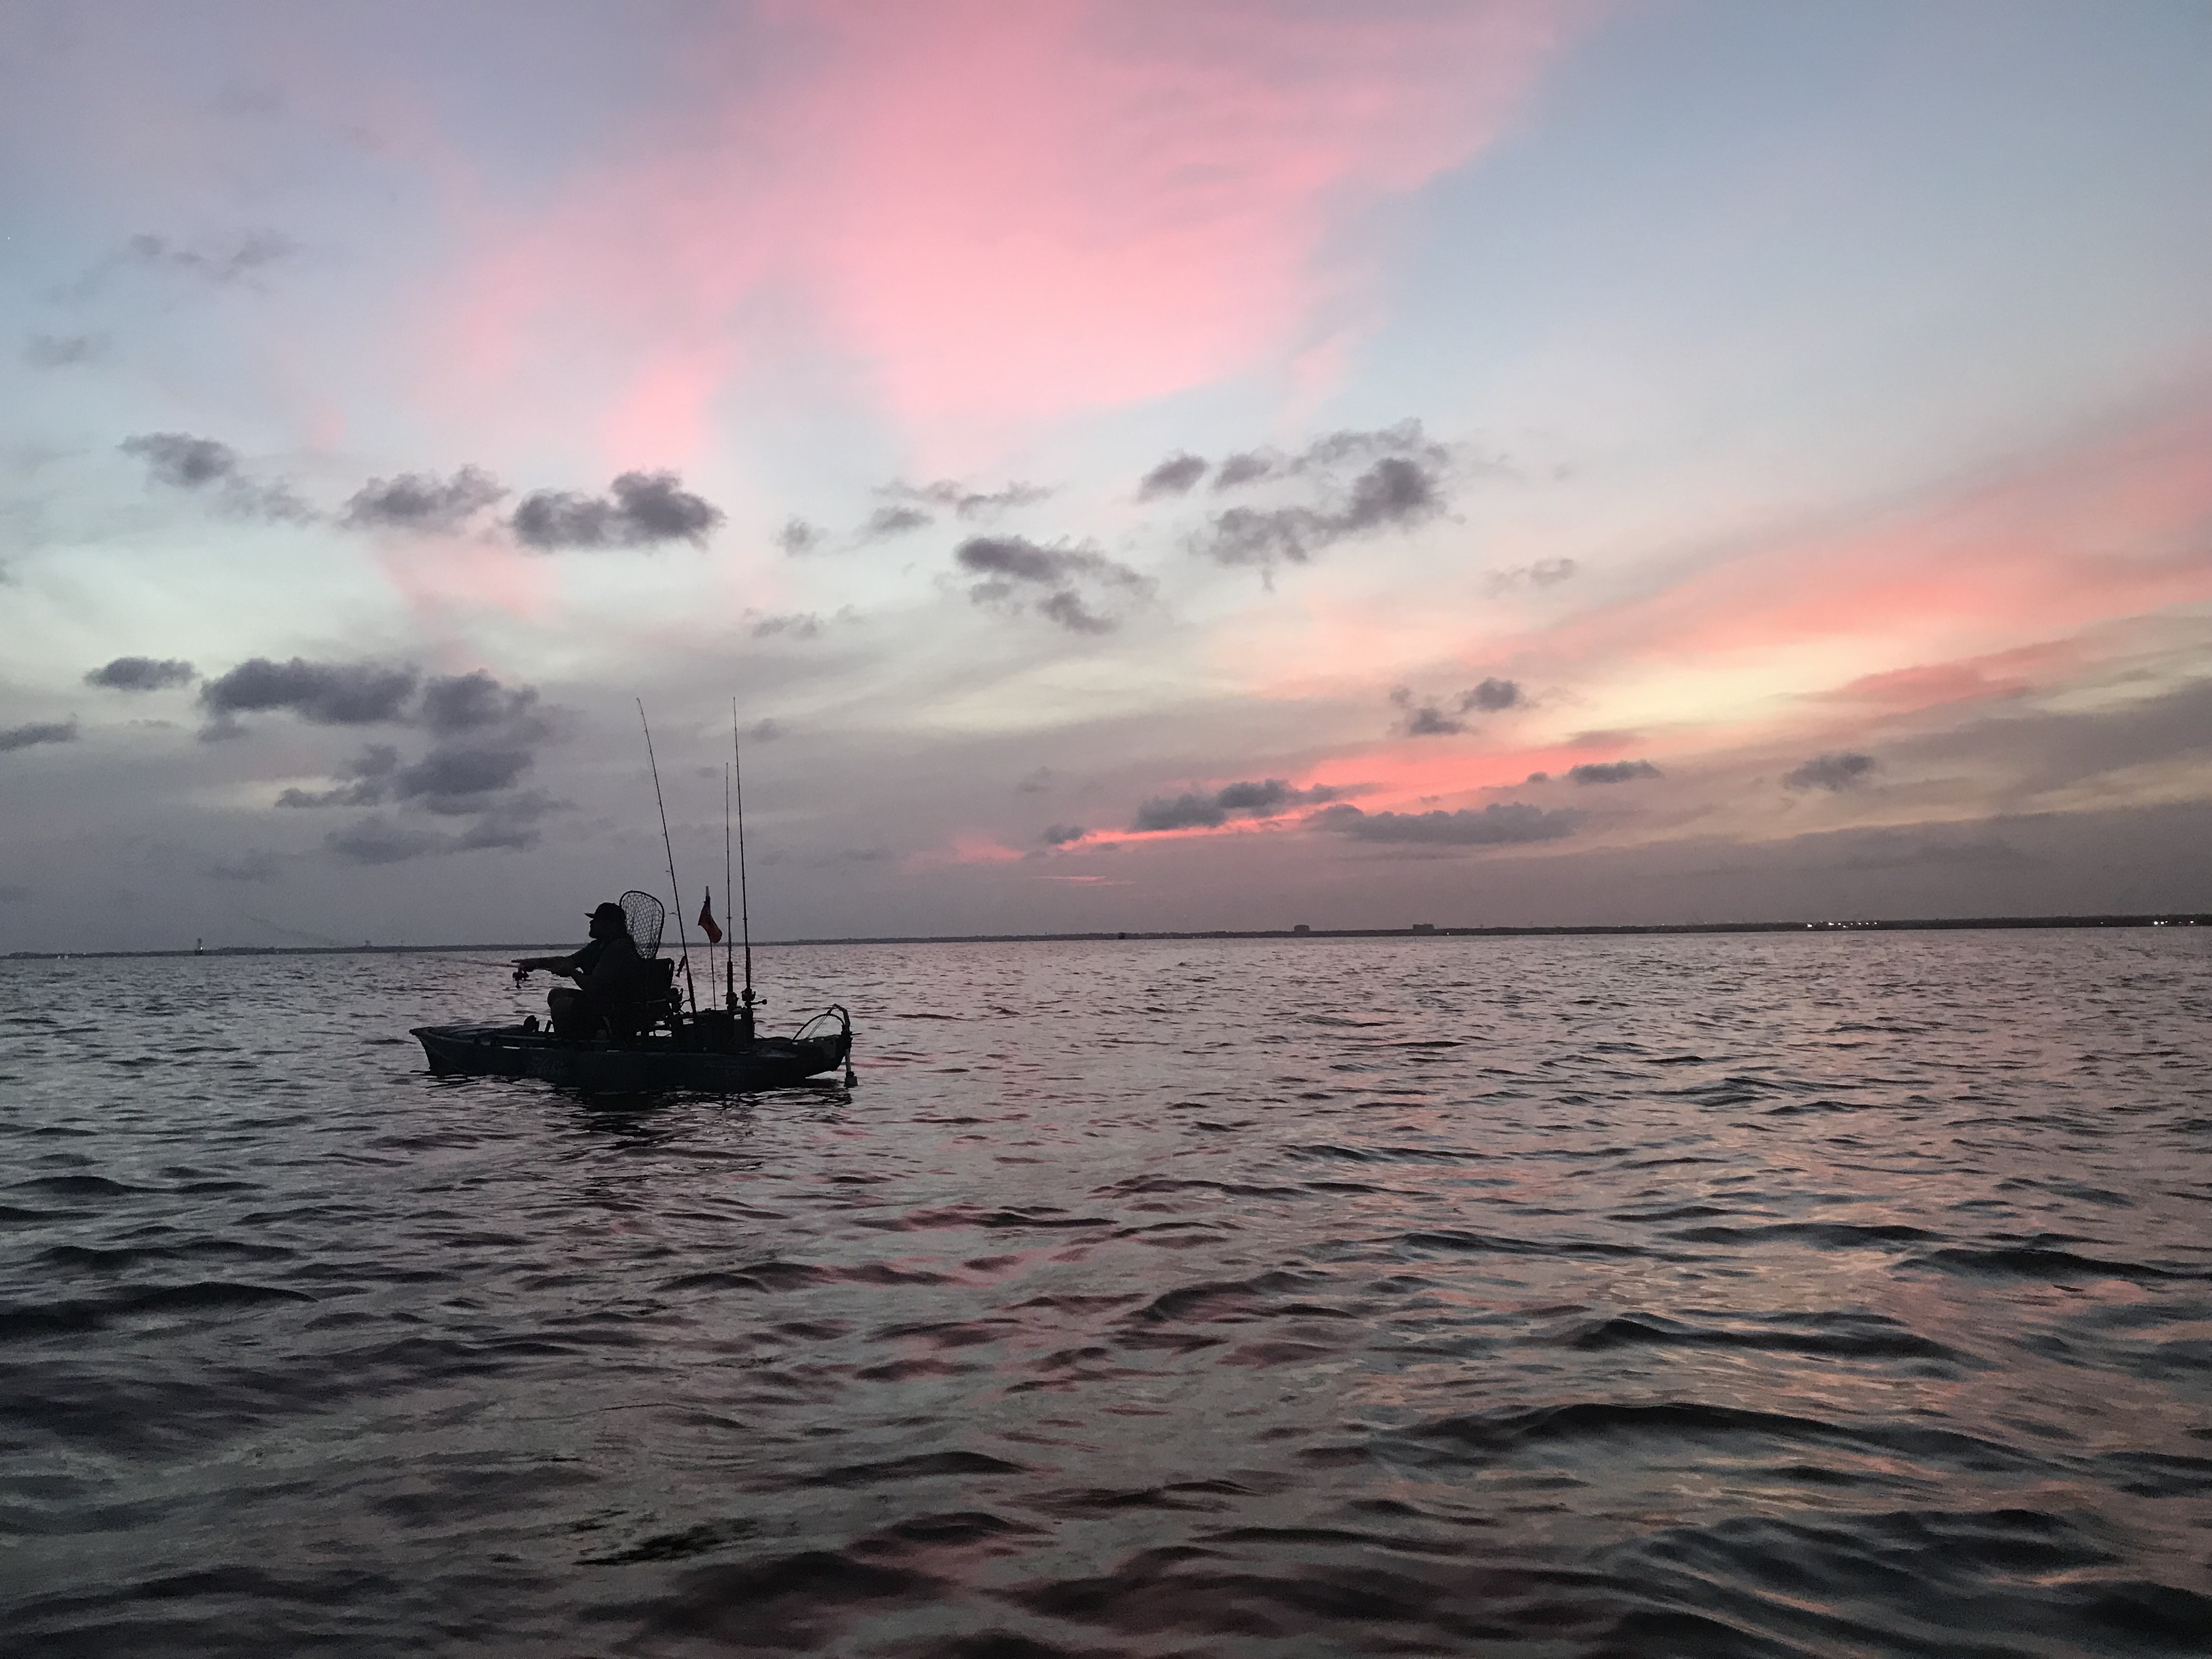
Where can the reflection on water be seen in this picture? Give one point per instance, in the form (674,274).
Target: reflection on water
(1717,1296)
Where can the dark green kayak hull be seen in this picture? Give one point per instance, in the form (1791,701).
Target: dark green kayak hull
(650,1067)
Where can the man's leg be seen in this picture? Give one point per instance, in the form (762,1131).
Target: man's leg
(570,1013)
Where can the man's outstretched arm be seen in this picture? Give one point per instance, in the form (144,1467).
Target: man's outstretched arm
(549,964)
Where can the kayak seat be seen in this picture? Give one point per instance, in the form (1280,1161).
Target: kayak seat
(658,1004)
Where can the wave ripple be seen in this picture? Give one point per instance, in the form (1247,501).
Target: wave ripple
(1579,1299)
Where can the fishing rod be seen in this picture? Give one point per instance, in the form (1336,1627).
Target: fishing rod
(729,950)
(669,847)
(744,903)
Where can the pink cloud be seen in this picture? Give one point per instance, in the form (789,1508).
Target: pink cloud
(2108,530)
(442,580)
(2013,582)
(664,410)
(1928,685)
(1994,573)
(975,214)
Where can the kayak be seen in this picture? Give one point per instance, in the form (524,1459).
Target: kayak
(651,1065)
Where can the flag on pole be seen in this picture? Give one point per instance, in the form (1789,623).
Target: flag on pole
(707,923)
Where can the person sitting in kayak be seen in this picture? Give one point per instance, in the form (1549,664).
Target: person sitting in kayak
(610,976)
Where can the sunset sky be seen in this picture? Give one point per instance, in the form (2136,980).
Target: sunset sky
(1131,466)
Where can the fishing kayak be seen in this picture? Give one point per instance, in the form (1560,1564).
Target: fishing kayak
(651,1065)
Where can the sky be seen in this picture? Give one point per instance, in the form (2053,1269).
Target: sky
(1102,464)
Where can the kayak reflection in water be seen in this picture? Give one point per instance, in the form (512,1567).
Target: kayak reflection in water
(610,978)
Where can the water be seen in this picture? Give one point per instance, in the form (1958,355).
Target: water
(1715,1296)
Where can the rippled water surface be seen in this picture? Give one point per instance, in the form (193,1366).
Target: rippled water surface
(1836,1295)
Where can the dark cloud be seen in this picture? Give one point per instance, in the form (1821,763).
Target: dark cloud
(985,502)
(1022,560)
(323,693)
(1269,796)
(1180,812)
(1405,440)
(450,782)
(895,522)
(184,462)
(549,519)
(1265,536)
(1334,452)
(62,350)
(377,760)
(1263,798)
(141,674)
(369,775)
(764,731)
(369,791)
(655,508)
(798,624)
(964,503)
(1502,824)
(1394,491)
(1016,568)
(180,460)
(1248,468)
(1611,771)
(377,840)
(475,701)
(1493,696)
(1427,721)
(645,509)
(509,825)
(2046,749)
(14,892)
(1064,835)
(422,502)
(25,737)
(797,536)
(1036,783)
(1068,608)
(242,498)
(1831,772)
(485,736)
(1172,477)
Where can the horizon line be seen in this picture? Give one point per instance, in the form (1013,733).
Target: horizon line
(1416,930)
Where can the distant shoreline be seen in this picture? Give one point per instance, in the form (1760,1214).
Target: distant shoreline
(1923,925)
